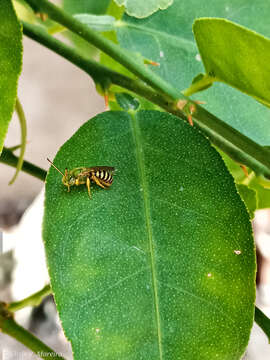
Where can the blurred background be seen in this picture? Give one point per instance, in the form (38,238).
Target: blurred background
(57,99)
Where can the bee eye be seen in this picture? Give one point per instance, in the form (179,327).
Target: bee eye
(72,181)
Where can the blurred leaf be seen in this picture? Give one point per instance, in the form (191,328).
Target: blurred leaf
(97,22)
(249,197)
(24,11)
(86,6)
(263,194)
(235,55)
(234,167)
(166,37)
(160,265)
(127,102)
(115,10)
(10,64)
(253,182)
(142,8)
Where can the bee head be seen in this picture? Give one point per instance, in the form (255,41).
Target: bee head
(68,180)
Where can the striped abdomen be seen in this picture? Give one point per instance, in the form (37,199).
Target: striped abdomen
(105,175)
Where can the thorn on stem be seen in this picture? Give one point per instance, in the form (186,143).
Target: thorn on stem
(42,16)
(189,117)
(106,99)
(244,168)
(151,62)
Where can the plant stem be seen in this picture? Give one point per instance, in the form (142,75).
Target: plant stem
(263,321)
(108,47)
(21,116)
(32,300)
(7,157)
(10,327)
(98,72)
(232,142)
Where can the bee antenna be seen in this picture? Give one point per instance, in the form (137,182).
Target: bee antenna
(55,166)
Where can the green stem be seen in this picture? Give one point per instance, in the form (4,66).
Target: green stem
(108,47)
(21,116)
(232,142)
(32,300)
(239,147)
(263,321)
(99,73)
(7,157)
(10,327)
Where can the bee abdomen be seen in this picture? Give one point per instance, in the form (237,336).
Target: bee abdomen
(104,175)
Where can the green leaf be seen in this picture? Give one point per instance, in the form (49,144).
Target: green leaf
(142,8)
(166,37)
(10,64)
(86,6)
(249,197)
(263,194)
(162,264)
(235,55)
(253,182)
(24,11)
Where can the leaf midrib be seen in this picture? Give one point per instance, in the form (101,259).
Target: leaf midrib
(141,170)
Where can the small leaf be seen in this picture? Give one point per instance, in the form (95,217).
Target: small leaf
(249,197)
(142,8)
(97,22)
(162,264)
(197,78)
(10,64)
(235,55)
(127,102)
(263,194)
(253,182)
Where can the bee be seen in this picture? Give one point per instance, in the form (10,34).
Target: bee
(101,175)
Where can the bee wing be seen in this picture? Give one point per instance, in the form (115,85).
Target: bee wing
(85,172)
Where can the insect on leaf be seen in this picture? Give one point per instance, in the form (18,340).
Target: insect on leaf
(161,265)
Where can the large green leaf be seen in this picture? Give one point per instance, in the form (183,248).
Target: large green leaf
(235,55)
(161,265)
(142,8)
(166,37)
(10,64)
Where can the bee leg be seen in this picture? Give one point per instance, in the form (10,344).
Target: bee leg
(96,180)
(88,187)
